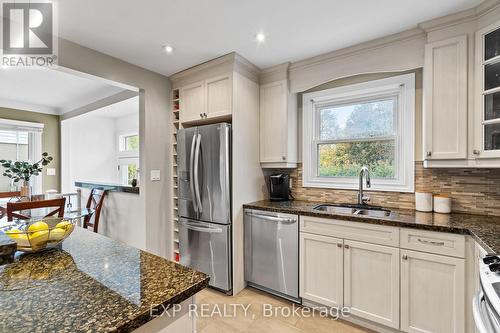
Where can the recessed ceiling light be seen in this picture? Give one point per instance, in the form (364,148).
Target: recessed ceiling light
(260,37)
(168,48)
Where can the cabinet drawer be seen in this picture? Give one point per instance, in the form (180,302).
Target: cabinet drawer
(364,232)
(433,242)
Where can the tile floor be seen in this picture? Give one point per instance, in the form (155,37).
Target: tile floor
(256,318)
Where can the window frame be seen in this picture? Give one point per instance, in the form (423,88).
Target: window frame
(402,88)
(35,131)
(126,157)
(122,141)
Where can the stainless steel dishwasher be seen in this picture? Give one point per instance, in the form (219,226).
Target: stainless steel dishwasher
(272,252)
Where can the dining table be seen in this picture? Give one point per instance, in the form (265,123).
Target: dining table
(69,213)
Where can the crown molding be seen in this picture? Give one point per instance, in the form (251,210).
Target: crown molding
(405,36)
(233,59)
(464,16)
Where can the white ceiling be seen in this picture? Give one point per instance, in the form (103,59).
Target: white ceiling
(121,109)
(201,30)
(49,91)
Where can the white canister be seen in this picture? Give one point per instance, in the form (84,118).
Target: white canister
(423,201)
(442,204)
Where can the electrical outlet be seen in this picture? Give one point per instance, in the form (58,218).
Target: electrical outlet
(51,171)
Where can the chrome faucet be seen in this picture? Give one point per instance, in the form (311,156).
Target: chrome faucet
(362,200)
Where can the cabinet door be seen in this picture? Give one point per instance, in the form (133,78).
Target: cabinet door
(445,99)
(192,102)
(321,269)
(487,114)
(219,96)
(432,293)
(273,122)
(371,282)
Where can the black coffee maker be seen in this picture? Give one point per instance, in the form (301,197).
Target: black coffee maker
(279,187)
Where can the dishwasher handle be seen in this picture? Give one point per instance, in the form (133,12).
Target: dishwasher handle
(284,220)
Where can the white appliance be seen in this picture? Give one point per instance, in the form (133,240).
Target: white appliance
(486,304)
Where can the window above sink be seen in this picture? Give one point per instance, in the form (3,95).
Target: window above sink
(368,124)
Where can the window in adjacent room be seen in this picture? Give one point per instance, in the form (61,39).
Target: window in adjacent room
(128,158)
(20,141)
(369,124)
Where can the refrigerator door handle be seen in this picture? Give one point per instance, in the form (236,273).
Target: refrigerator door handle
(202,229)
(196,180)
(191,171)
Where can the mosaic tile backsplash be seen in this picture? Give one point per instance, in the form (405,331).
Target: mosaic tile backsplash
(473,191)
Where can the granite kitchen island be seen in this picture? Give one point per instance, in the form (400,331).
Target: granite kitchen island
(95,284)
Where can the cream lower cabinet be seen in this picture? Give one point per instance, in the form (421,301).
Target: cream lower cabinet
(321,269)
(432,293)
(347,264)
(361,276)
(371,282)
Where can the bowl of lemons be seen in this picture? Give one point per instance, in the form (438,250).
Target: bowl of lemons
(36,235)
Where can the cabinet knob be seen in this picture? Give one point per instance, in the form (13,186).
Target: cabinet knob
(339,245)
(405,257)
(476,151)
(205,115)
(201,115)
(429,153)
(346,246)
(283,158)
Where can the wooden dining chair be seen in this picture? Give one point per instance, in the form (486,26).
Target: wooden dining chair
(9,194)
(94,205)
(14,207)
(5,195)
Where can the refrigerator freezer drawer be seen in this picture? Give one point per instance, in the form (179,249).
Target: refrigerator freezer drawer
(206,247)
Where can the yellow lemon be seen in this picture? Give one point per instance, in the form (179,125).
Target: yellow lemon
(64,225)
(38,226)
(20,237)
(57,234)
(13,233)
(22,240)
(39,238)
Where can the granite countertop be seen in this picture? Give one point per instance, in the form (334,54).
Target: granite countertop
(109,186)
(91,284)
(484,229)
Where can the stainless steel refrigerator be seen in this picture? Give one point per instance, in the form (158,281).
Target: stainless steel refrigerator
(204,169)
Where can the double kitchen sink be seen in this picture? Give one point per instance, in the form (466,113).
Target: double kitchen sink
(354,209)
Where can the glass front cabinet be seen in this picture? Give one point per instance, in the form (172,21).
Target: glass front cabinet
(487,129)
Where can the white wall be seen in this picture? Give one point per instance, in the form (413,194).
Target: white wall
(154,122)
(90,143)
(90,154)
(89,150)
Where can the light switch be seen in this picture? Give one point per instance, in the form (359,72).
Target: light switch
(155,175)
(51,171)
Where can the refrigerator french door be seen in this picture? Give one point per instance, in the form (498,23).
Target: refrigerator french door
(204,169)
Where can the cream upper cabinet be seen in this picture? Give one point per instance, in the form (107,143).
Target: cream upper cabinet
(487,117)
(321,269)
(219,92)
(445,99)
(192,102)
(371,282)
(208,99)
(432,293)
(278,126)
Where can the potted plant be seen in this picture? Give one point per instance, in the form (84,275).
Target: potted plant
(23,171)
